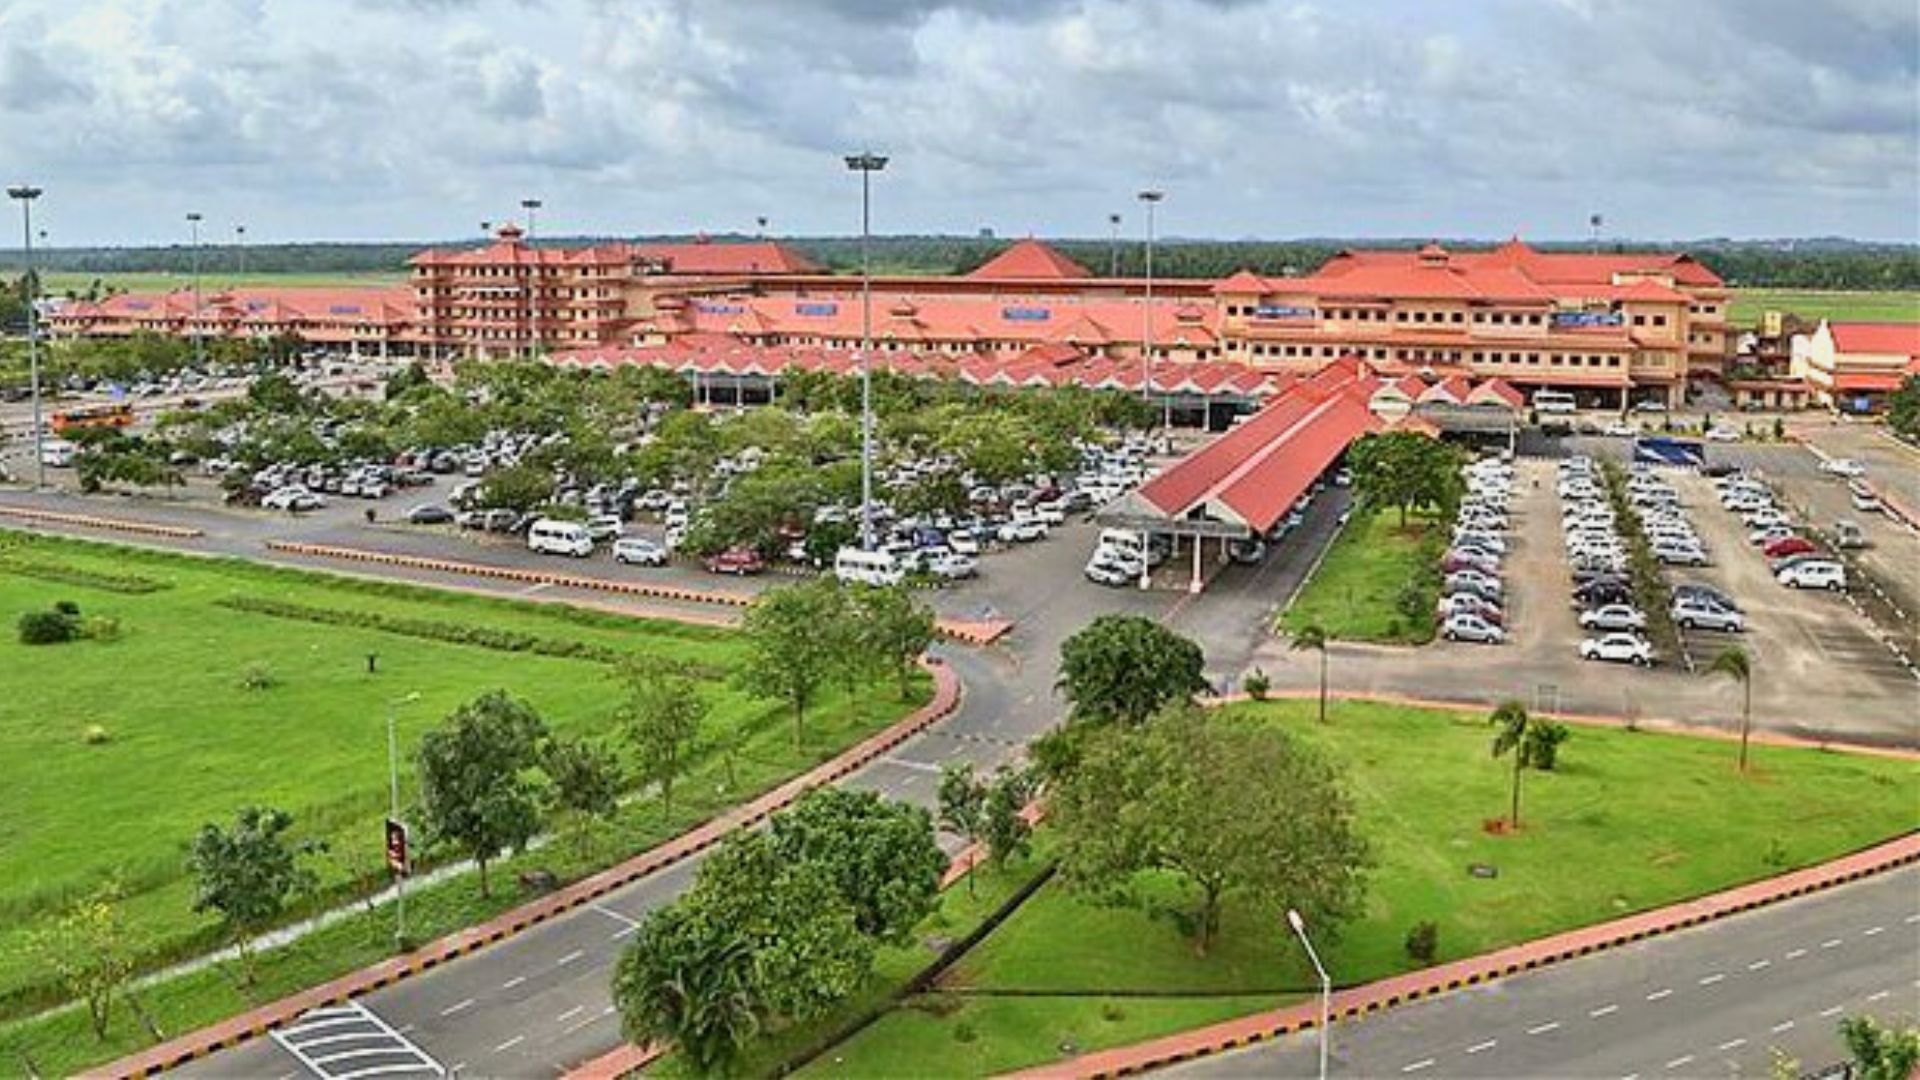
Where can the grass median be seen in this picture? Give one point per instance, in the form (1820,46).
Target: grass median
(1357,592)
(136,742)
(1627,822)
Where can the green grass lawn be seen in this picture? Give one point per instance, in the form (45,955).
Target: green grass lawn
(1355,593)
(1890,306)
(187,744)
(1629,821)
(60,282)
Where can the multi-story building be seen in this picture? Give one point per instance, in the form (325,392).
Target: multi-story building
(1853,366)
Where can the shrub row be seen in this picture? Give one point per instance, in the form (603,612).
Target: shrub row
(86,579)
(451,633)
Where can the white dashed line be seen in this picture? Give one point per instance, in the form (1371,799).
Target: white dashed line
(1784,1025)
(1709,980)
(1680,1062)
(1604,1010)
(509,1044)
(1835,1011)
(1872,930)
(1482,1047)
(1760,965)
(513,982)
(569,1014)
(1913,918)
(1881,996)
(458,1006)
(1658,994)
(570,958)
(458,1068)
(1542,1029)
(1423,1063)
(1732,1044)
(1796,954)
(1830,943)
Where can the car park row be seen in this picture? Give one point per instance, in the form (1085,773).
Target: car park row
(1472,591)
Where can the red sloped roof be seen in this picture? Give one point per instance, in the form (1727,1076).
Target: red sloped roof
(1453,388)
(1243,282)
(1880,338)
(1496,391)
(1180,486)
(1868,380)
(1029,260)
(728,257)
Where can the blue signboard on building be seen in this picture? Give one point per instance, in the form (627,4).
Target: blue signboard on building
(1580,320)
(719,309)
(816,309)
(1025,314)
(1277,311)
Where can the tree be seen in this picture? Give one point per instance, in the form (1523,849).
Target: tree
(662,716)
(881,856)
(1405,469)
(1532,741)
(1881,1053)
(1733,663)
(894,629)
(688,981)
(1234,809)
(89,951)
(474,789)
(519,488)
(1903,408)
(788,656)
(586,782)
(1004,823)
(963,804)
(1126,668)
(1314,636)
(246,874)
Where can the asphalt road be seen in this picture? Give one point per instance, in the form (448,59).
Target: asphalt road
(1717,1000)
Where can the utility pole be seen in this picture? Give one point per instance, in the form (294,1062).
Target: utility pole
(30,283)
(393,811)
(866,164)
(532,207)
(1113,246)
(199,348)
(1151,197)
(1326,985)
(240,247)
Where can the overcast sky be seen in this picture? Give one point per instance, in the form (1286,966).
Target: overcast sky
(366,119)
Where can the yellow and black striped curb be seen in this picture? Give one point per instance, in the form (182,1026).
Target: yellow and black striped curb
(209,1040)
(93,521)
(1514,960)
(964,632)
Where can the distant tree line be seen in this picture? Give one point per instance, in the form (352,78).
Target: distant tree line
(1809,264)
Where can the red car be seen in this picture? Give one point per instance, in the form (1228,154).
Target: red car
(735,561)
(1789,545)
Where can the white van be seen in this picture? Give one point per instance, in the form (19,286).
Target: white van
(550,537)
(1553,401)
(57,453)
(854,566)
(1125,542)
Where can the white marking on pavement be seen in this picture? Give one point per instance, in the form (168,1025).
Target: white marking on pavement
(1835,1011)
(1478,1047)
(1542,1029)
(1881,996)
(569,958)
(457,1007)
(1709,980)
(509,1044)
(1658,994)
(1680,1062)
(1796,954)
(1603,1010)
(513,982)
(920,765)
(1872,930)
(1913,918)
(1830,943)
(1423,1063)
(569,1014)
(630,924)
(458,1068)
(1784,1025)
(1759,965)
(1732,1044)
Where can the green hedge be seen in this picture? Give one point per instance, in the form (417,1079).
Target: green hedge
(86,579)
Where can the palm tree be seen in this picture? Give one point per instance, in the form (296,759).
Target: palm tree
(1513,729)
(1314,636)
(1734,664)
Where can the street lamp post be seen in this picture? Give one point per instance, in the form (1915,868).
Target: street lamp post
(199,358)
(1113,245)
(26,194)
(240,247)
(532,207)
(393,810)
(866,164)
(1151,197)
(1326,984)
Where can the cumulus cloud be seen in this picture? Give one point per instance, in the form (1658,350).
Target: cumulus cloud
(1275,117)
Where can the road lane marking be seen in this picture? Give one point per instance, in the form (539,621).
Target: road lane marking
(1872,930)
(457,1006)
(1680,1062)
(1835,1011)
(1881,996)
(1483,1046)
(509,1044)
(1732,1044)
(569,1014)
(1784,1025)
(1658,994)
(1423,1063)
(1796,954)
(1709,980)
(1542,1029)
(1759,965)
(1913,918)
(513,982)
(1830,943)
(616,916)
(1604,1010)
(569,958)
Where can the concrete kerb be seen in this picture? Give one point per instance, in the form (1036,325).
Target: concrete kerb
(94,521)
(1403,989)
(251,1025)
(965,632)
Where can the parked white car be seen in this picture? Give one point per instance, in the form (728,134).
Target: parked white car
(1843,467)
(1814,574)
(1620,648)
(638,551)
(1613,617)
(1463,626)
(1693,613)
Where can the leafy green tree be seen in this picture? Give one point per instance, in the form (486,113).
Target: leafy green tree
(963,806)
(1879,1052)
(519,488)
(689,981)
(586,783)
(1406,470)
(1533,741)
(1004,824)
(246,875)
(476,791)
(1236,810)
(1313,637)
(1126,668)
(787,655)
(893,628)
(662,717)
(1903,409)
(90,952)
(1732,662)
(880,855)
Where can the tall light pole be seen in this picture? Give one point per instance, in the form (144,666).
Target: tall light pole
(532,207)
(240,247)
(1151,197)
(393,812)
(866,164)
(1113,245)
(193,224)
(1326,984)
(26,193)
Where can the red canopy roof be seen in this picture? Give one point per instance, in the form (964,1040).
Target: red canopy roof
(1030,260)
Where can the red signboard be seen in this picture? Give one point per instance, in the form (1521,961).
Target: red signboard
(397,847)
